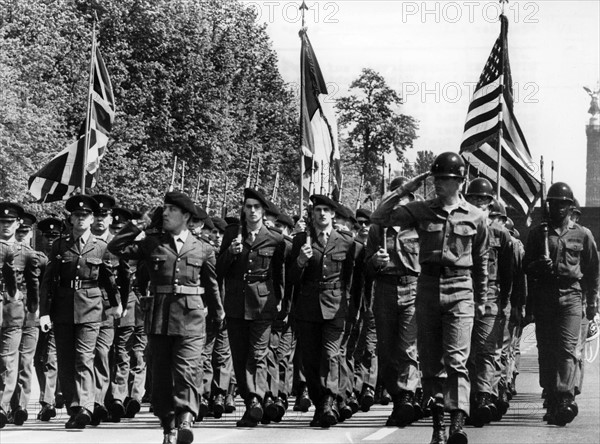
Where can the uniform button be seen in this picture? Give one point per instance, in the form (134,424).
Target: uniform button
(176,280)
(178,259)
(324,266)
(177,269)
(80,257)
(76,278)
(78,266)
(446,249)
(250,260)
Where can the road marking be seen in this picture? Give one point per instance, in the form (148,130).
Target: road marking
(380,434)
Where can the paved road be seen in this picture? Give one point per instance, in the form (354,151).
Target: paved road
(522,424)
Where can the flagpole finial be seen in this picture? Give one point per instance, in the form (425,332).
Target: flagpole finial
(502,2)
(303,8)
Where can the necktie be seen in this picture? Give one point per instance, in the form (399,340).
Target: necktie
(323,239)
(252,236)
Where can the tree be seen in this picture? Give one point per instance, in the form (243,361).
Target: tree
(422,165)
(374,124)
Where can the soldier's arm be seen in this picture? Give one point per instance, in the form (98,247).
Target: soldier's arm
(348,271)
(295,272)
(373,245)
(123,280)
(480,262)
(47,285)
(591,270)
(208,279)
(9,273)
(32,281)
(225,257)
(107,280)
(505,267)
(124,245)
(279,270)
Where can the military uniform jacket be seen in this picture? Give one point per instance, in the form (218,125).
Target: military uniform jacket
(254,279)
(70,291)
(322,287)
(27,268)
(575,261)
(121,272)
(8,278)
(401,245)
(170,313)
(500,261)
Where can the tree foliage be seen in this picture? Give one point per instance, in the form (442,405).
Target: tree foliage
(193,78)
(374,125)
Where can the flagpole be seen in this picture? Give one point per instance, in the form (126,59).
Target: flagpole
(88,118)
(302,8)
(503,30)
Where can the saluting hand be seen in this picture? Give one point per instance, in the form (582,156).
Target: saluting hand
(306,253)
(414,184)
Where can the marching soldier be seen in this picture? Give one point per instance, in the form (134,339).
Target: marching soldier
(21,263)
(320,267)
(44,360)
(27,263)
(392,261)
(251,264)
(561,260)
(182,271)
(453,243)
(71,301)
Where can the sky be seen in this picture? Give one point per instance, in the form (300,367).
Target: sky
(432,53)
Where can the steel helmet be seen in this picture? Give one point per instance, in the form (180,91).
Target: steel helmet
(560,191)
(480,187)
(448,164)
(497,208)
(576,207)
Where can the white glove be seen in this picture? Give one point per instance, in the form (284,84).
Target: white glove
(45,323)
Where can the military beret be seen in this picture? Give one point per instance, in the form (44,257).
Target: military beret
(219,223)
(182,201)
(232,220)
(27,221)
(200,213)
(82,202)
(208,224)
(273,209)
(50,226)
(286,220)
(105,203)
(321,199)
(251,193)
(363,212)
(345,212)
(10,211)
(120,217)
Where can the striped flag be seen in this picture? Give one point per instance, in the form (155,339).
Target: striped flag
(61,177)
(318,125)
(490,117)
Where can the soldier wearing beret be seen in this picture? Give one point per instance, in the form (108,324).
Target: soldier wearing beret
(251,264)
(15,309)
(27,263)
(320,267)
(182,279)
(44,360)
(129,367)
(72,301)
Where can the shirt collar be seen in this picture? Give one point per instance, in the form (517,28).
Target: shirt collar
(462,203)
(183,236)
(85,237)
(104,236)
(327,232)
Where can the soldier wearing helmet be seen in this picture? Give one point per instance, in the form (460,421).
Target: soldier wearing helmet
(488,395)
(453,244)
(561,260)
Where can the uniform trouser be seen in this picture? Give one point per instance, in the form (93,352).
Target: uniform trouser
(365,355)
(176,373)
(394,310)
(129,373)
(249,341)
(284,355)
(445,311)
(46,369)
(320,344)
(503,352)
(488,331)
(75,344)
(27,348)
(347,349)
(218,365)
(581,354)
(514,351)
(272,359)
(10,339)
(299,381)
(557,329)
(102,365)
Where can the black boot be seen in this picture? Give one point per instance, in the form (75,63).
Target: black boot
(218,405)
(457,421)
(482,413)
(329,417)
(439,430)
(418,404)
(564,410)
(403,413)
(302,403)
(185,435)
(169,432)
(230,399)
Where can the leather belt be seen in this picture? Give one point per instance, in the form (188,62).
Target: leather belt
(394,279)
(255,277)
(178,289)
(329,285)
(443,271)
(78,284)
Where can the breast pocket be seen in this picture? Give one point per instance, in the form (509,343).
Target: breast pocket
(573,252)
(337,261)
(265,255)
(157,263)
(93,268)
(194,263)
(461,239)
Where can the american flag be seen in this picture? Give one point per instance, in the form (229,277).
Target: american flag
(319,126)
(491,110)
(61,177)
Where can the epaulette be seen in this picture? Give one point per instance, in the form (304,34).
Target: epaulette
(346,233)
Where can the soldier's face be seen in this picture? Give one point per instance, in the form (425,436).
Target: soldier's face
(23,235)
(322,216)
(174,219)
(481,202)
(195,226)
(8,228)
(216,236)
(101,222)
(253,211)
(364,226)
(81,220)
(446,186)
(559,209)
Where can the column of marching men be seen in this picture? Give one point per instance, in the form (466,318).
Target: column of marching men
(421,304)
